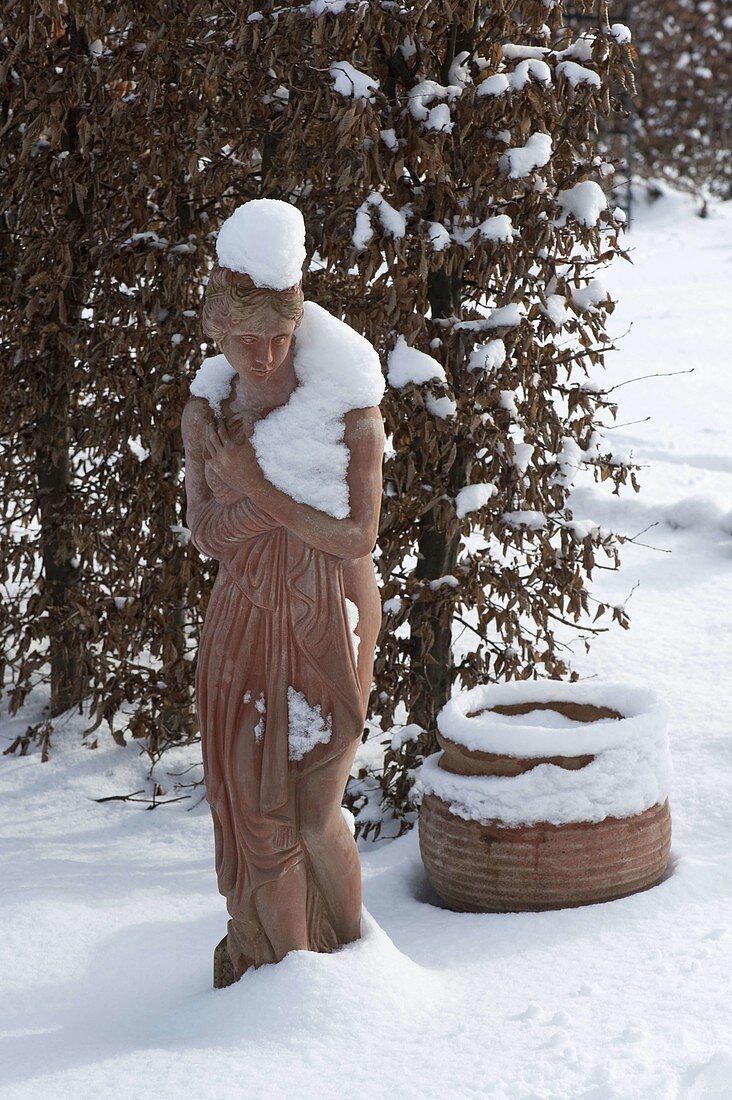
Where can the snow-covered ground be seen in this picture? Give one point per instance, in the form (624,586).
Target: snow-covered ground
(110,913)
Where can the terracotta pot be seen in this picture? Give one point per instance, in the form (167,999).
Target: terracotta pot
(493,869)
(490,865)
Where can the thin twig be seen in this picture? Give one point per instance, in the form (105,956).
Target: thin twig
(578,626)
(655,374)
(632,538)
(623,424)
(119,797)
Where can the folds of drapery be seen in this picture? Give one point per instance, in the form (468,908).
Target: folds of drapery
(302,589)
(277,620)
(219,529)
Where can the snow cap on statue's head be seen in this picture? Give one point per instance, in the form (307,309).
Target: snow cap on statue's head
(264,239)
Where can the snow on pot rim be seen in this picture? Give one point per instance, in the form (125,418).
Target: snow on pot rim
(629,772)
(621,782)
(643,718)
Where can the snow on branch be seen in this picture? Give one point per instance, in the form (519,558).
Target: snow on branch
(408,364)
(523,159)
(584,202)
(351,82)
(394,222)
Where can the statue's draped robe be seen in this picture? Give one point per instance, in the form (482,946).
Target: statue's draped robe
(276,619)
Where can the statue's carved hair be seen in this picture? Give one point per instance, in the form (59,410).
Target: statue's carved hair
(232,296)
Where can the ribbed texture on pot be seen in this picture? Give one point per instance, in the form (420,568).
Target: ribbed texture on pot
(488,868)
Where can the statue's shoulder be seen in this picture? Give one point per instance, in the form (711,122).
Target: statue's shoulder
(369,414)
(365,425)
(196,416)
(196,412)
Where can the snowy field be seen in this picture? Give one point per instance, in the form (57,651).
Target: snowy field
(110,913)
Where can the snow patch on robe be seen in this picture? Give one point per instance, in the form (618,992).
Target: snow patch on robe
(261,705)
(352,616)
(306,726)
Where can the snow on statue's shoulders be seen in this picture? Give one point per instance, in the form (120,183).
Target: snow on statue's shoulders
(300,445)
(213,381)
(341,363)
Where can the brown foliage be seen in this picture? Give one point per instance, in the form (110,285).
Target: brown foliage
(684,104)
(130,132)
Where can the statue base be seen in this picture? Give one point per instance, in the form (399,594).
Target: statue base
(223,968)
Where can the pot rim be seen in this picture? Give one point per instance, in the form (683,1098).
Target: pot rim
(468,719)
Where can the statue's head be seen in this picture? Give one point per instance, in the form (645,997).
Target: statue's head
(253,326)
(254,299)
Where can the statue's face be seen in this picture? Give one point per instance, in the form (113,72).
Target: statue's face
(258,346)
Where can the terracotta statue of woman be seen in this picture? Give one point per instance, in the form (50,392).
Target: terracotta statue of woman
(284,445)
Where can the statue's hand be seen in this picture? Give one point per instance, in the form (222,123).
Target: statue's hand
(235,463)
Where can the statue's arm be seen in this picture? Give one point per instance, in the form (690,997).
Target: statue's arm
(354,536)
(216,529)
